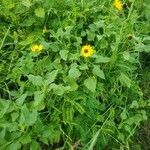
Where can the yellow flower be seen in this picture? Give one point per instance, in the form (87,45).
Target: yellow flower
(87,51)
(36,48)
(118,5)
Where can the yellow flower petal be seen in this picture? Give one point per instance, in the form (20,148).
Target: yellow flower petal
(36,48)
(87,51)
(118,5)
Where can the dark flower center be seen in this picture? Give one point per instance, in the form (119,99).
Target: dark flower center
(86,51)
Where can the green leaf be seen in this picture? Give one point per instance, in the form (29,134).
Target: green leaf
(72,83)
(102,59)
(90,83)
(134,104)
(59,89)
(126,55)
(35,145)
(39,100)
(125,80)
(28,117)
(50,77)
(98,72)
(64,54)
(83,67)
(14,116)
(93,140)
(79,107)
(40,12)
(21,99)
(68,114)
(25,139)
(123,115)
(74,72)
(26,3)
(4,107)
(14,146)
(36,80)
(103,43)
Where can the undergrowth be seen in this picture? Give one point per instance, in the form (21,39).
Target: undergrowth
(54,98)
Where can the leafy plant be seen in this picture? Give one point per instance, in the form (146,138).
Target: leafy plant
(51,96)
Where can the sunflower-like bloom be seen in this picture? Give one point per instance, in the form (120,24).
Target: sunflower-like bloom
(87,51)
(118,5)
(36,48)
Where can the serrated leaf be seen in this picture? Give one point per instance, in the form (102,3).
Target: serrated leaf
(36,80)
(28,117)
(40,12)
(4,107)
(64,54)
(21,99)
(90,83)
(14,145)
(83,67)
(103,43)
(102,59)
(79,108)
(25,139)
(58,89)
(50,77)
(98,72)
(39,100)
(68,114)
(74,72)
(72,83)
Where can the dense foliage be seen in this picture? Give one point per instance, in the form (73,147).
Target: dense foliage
(51,97)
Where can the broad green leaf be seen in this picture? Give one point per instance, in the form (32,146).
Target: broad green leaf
(28,117)
(32,37)
(21,99)
(50,77)
(72,83)
(36,80)
(15,145)
(90,83)
(26,3)
(91,35)
(59,89)
(83,67)
(103,43)
(142,48)
(25,139)
(35,145)
(39,100)
(98,72)
(64,54)
(40,12)
(125,80)
(14,116)
(102,59)
(4,107)
(74,72)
